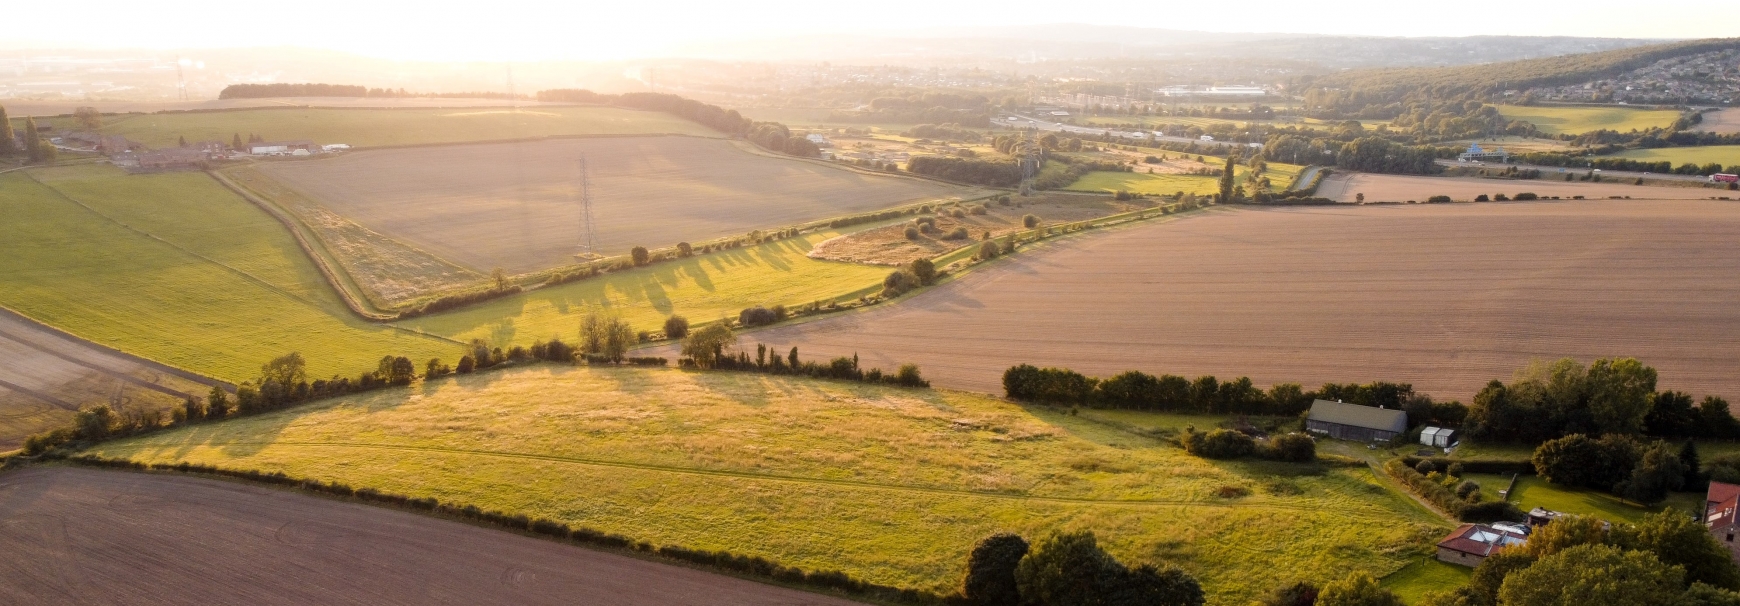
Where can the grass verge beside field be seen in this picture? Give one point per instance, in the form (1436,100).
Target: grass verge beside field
(889,485)
(175,268)
(385,127)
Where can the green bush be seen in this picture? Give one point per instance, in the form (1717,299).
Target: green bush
(757,316)
(639,255)
(990,579)
(1293,448)
(959,233)
(676,327)
(911,233)
(1438,200)
(1219,444)
(1524,196)
(899,282)
(989,250)
(1030,221)
(924,270)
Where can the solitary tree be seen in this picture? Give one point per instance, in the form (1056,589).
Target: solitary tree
(88,118)
(1226,178)
(640,255)
(499,277)
(925,270)
(8,146)
(676,327)
(706,345)
(32,141)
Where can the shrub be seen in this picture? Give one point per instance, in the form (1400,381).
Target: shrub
(908,376)
(1482,198)
(1030,221)
(912,233)
(757,316)
(1219,444)
(899,282)
(1026,382)
(1121,195)
(924,270)
(958,213)
(1467,489)
(959,233)
(1294,447)
(1425,467)
(1500,198)
(1527,196)
(466,365)
(676,327)
(1438,200)
(978,210)
(639,255)
(989,250)
(990,578)
(684,249)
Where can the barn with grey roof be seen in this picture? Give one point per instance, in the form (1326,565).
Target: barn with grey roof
(1344,421)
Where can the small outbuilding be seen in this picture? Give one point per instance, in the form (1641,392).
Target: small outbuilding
(1441,437)
(1344,421)
(1472,543)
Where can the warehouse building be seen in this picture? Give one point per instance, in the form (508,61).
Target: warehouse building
(1344,421)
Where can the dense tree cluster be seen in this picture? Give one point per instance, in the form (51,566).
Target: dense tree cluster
(1618,396)
(1668,559)
(1377,155)
(1618,463)
(967,170)
(1068,569)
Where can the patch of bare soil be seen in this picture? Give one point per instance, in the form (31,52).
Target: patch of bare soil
(86,536)
(888,245)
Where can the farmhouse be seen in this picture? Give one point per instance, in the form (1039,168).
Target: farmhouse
(1476,154)
(1720,508)
(1354,422)
(177,157)
(268,148)
(1471,543)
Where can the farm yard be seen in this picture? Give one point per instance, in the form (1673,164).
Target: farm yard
(886,484)
(1573,120)
(1446,297)
(176,269)
(48,375)
(367,127)
(515,205)
(1346,187)
(72,535)
(703,288)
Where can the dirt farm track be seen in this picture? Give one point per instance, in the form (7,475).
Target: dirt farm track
(1444,296)
(84,536)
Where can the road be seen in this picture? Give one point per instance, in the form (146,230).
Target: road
(88,536)
(1033,122)
(1553,171)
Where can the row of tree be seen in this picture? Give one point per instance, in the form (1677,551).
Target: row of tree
(33,143)
(714,347)
(1609,396)
(1637,472)
(967,170)
(1068,569)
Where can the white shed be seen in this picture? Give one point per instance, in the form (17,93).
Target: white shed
(1437,436)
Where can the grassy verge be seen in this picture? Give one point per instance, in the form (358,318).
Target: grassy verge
(888,485)
(1425,575)
(1532,492)
(175,268)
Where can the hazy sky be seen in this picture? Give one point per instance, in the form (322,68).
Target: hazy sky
(529,30)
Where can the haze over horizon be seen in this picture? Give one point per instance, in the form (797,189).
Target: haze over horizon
(533,31)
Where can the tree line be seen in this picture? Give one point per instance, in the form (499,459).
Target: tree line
(1550,400)
(771,136)
(33,143)
(713,347)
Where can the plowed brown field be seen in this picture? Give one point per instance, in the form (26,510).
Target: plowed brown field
(1721,121)
(48,375)
(515,205)
(1443,296)
(1401,188)
(82,536)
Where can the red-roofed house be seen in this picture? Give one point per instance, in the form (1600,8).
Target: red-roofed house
(1721,506)
(1471,543)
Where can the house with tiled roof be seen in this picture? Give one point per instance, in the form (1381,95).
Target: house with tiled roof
(1720,513)
(1472,543)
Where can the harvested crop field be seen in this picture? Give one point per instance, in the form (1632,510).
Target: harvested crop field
(1720,121)
(516,205)
(82,536)
(1344,187)
(48,375)
(1444,296)
(888,245)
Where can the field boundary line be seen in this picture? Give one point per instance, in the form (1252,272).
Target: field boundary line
(778,477)
(83,342)
(319,261)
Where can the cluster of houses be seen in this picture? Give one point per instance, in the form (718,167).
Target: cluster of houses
(1470,544)
(134,156)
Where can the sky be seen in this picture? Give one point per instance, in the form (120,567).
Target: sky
(523,30)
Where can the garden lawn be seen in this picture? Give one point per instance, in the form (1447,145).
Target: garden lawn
(1425,575)
(1557,120)
(1532,492)
(382,127)
(175,268)
(1727,155)
(702,288)
(889,485)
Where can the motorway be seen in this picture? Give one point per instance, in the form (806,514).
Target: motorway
(1560,170)
(1032,122)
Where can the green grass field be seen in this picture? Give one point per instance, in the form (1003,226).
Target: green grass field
(702,288)
(1532,492)
(1424,575)
(890,485)
(379,127)
(1280,176)
(175,268)
(1727,155)
(1577,120)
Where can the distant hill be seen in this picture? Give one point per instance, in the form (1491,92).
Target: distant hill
(1371,91)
